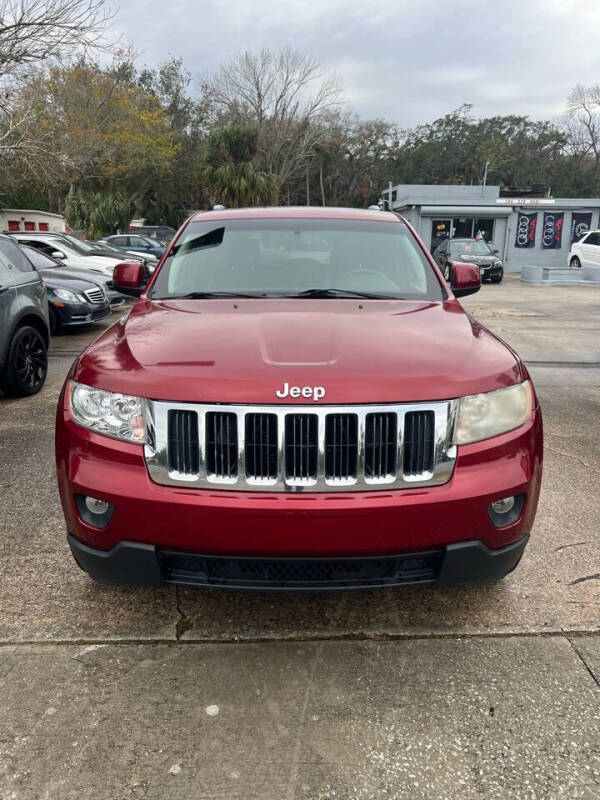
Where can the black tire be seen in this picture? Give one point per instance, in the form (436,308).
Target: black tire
(497,278)
(54,322)
(27,363)
(575,263)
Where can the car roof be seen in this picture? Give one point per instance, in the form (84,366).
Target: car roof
(296,212)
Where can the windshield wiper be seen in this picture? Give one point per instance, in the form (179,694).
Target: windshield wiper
(341,293)
(208,295)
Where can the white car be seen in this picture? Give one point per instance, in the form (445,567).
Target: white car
(70,253)
(585,252)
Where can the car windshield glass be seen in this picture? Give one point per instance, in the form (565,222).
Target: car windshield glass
(79,245)
(473,248)
(38,259)
(291,257)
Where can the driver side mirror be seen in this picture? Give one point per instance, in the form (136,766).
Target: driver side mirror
(466,279)
(495,252)
(129,278)
(58,254)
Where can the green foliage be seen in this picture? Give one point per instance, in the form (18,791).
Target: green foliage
(98,213)
(230,175)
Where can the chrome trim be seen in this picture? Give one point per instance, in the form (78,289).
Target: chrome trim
(94,296)
(155,449)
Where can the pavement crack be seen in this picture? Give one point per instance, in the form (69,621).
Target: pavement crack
(593,467)
(594,577)
(584,662)
(184,623)
(566,546)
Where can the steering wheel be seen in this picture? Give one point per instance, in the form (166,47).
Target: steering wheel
(381,282)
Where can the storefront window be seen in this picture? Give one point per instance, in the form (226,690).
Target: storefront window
(486,226)
(440,230)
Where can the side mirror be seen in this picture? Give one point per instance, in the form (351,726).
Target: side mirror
(129,278)
(58,254)
(495,252)
(466,279)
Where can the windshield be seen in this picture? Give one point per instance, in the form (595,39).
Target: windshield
(292,257)
(81,247)
(473,248)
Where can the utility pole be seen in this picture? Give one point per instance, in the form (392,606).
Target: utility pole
(307,185)
(487,164)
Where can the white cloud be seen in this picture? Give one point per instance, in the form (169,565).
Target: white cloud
(407,60)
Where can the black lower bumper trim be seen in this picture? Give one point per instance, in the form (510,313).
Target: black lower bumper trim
(140,564)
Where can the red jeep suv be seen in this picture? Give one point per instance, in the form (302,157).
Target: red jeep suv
(297,400)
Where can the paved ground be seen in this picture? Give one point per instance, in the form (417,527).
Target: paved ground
(474,692)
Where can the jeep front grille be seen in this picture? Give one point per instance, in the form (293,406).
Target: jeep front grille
(300,448)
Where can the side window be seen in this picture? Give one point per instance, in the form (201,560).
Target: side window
(44,247)
(593,238)
(135,241)
(119,241)
(14,256)
(4,270)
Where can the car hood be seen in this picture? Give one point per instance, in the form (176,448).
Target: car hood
(87,275)
(467,259)
(53,280)
(244,351)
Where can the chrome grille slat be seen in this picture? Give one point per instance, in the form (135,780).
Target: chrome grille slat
(94,295)
(300,448)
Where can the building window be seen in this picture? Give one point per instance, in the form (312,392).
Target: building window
(43,226)
(14,225)
(486,226)
(30,226)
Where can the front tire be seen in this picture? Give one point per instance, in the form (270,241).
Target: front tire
(575,263)
(27,363)
(497,278)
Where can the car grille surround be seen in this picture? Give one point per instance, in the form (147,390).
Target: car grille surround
(300,448)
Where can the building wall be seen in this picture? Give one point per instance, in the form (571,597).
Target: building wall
(517,257)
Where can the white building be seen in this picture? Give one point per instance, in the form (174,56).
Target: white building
(525,231)
(24,219)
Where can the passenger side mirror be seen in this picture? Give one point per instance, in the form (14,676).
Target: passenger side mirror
(466,279)
(58,254)
(129,278)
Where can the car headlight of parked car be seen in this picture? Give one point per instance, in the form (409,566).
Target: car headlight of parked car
(481,416)
(66,295)
(109,413)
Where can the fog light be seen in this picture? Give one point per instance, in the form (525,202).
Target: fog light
(504,505)
(95,506)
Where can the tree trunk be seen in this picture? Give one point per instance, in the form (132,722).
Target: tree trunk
(322,184)
(307,186)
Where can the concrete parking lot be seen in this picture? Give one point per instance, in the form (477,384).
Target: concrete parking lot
(474,692)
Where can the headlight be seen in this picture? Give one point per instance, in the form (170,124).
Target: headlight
(66,295)
(481,416)
(118,415)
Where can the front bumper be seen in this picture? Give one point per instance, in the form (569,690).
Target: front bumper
(140,564)
(74,314)
(150,520)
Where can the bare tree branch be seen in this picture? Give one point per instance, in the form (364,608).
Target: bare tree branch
(35,30)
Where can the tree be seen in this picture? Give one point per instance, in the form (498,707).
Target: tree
(36,30)
(230,175)
(284,94)
(98,213)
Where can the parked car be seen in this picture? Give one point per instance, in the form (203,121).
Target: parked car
(24,332)
(72,301)
(45,263)
(162,233)
(470,251)
(585,252)
(102,247)
(142,245)
(70,254)
(269,419)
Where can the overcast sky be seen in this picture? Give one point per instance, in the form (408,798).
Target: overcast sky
(409,61)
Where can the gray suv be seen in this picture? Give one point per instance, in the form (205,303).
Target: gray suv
(24,332)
